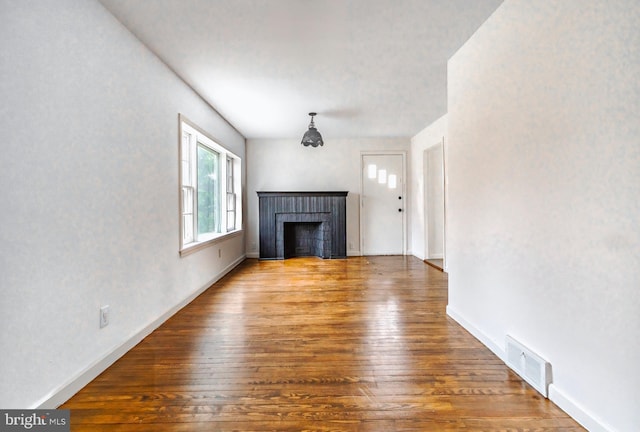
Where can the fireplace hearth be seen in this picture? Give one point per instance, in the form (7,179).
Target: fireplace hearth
(296,224)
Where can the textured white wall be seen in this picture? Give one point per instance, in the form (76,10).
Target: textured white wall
(286,165)
(428,137)
(89,192)
(543,161)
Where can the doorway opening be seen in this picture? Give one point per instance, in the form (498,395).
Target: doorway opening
(434,205)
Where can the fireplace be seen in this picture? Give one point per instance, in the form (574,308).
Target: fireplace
(302,224)
(306,239)
(303,234)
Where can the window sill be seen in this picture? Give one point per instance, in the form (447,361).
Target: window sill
(199,245)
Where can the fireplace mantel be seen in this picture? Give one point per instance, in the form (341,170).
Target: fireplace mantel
(327,209)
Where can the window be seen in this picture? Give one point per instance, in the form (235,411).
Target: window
(231,196)
(210,187)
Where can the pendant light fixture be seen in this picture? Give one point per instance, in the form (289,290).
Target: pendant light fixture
(312,137)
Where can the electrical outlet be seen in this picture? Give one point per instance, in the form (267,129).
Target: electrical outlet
(104,316)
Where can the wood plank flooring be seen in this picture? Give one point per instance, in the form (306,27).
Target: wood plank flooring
(305,344)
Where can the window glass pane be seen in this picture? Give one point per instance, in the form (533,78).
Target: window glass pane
(231,220)
(230,175)
(382,176)
(185,151)
(393,181)
(186,173)
(187,228)
(185,159)
(231,202)
(208,190)
(187,200)
(372,171)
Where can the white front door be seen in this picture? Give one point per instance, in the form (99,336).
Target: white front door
(382,204)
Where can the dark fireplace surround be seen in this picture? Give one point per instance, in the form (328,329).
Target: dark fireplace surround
(302,224)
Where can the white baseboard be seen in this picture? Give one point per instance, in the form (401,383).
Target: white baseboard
(556,396)
(353,253)
(253,255)
(423,258)
(579,414)
(486,341)
(62,394)
(416,254)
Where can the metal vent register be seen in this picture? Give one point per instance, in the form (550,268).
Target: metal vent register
(530,366)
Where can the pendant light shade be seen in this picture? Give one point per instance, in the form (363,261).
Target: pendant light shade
(312,137)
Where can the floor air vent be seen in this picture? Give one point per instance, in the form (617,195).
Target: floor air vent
(530,366)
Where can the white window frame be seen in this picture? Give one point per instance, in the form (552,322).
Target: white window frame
(190,136)
(230,195)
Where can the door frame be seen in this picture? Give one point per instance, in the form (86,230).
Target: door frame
(428,200)
(405,208)
(445,194)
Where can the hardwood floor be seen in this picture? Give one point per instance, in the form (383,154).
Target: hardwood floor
(361,344)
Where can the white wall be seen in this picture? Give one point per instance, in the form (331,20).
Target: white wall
(89,192)
(286,165)
(544,196)
(428,137)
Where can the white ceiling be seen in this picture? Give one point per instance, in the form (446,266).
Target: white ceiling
(370,68)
